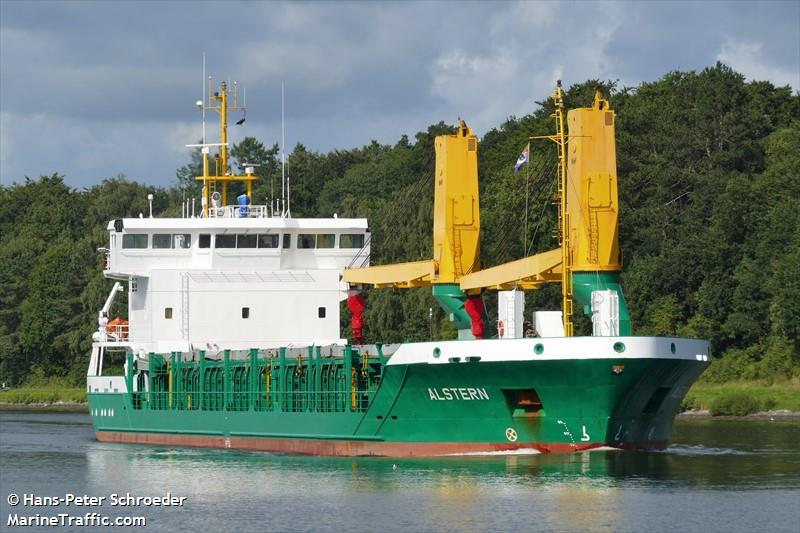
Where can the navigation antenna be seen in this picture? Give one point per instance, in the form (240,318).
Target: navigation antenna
(219,101)
(286,209)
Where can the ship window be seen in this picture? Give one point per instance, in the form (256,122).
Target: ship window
(351,240)
(246,241)
(287,241)
(306,240)
(225,241)
(182,240)
(168,313)
(268,241)
(326,240)
(245,312)
(134,240)
(204,240)
(321,312)
(162,240)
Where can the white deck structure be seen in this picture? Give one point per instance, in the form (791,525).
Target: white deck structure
(231,283)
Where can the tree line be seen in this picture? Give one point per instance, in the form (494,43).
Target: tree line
(709,183)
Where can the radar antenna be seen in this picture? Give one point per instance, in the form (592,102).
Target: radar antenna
(220,101)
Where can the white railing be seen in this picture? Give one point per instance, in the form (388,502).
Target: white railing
(117,332)
(236,211)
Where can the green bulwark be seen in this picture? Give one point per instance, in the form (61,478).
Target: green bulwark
(280,380)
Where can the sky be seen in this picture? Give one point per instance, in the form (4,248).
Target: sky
(95,89)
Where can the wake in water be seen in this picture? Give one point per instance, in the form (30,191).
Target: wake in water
(700,450)
(518,451)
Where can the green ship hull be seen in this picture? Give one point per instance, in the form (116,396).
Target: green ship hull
(517,396)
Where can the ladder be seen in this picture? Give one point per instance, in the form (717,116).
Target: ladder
(457,266)
(563,216)
(594,237)
(185,306)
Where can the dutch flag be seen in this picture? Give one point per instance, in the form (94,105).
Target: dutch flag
(523,158)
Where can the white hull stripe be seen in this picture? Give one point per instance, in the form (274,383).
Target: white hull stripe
(553,348)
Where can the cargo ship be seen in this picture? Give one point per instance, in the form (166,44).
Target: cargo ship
(232,335)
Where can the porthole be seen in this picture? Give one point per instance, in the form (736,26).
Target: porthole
(538,349)
(619,347)
(437,353)
(672,347)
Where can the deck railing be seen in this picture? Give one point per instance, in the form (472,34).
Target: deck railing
(286,402)
(237,211)
(117,332)
(310,379)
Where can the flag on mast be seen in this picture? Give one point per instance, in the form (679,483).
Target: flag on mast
(524,157)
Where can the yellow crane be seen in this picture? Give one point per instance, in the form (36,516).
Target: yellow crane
(456,236)
(588,258)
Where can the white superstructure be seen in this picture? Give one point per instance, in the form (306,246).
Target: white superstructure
(232,283)
(235,277)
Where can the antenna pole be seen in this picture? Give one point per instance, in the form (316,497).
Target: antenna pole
(283,155)
(288,191)
(204,97)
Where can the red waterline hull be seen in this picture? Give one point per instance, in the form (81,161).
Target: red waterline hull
(358,448)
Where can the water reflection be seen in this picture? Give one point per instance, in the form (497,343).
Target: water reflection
(720,464)
(726,461)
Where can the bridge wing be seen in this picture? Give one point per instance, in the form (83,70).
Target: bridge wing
(527,273)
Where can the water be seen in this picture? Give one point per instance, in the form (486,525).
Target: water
(718,475)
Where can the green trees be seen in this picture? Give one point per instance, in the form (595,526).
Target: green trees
(709,174)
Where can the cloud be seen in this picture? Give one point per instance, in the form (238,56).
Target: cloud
(86,152)
(93,89)
(748,58)
(528,46)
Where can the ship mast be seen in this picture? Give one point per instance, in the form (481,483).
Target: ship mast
(563,214)
(220,102)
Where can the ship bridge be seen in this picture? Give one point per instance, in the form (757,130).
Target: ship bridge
(204,283)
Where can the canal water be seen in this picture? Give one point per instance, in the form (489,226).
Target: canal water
(718,475)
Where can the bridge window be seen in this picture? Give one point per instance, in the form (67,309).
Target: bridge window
(182,240)
(268,241)
(326,240)
(167,240)
(162,240)
(287,241)
(306,241)
(168,313)
(225,241)
(351,240)
(204,241)
(134,240)
(246,241)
